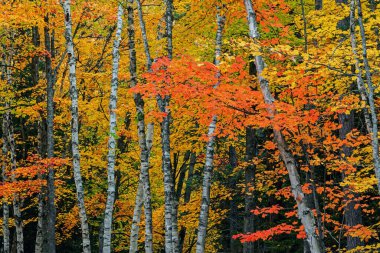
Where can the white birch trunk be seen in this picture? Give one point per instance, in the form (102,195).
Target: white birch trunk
(134,237)
(304,213)
(371,99)
(145,142)
(107,234)
(171,240)
(205,205)
(75,126)
(359,79)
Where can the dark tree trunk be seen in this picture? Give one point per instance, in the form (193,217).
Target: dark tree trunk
(249,175)
(352,215)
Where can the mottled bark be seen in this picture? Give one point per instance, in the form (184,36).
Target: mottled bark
(11,145)
(41,206)
(359,77)
(171,237)
(133,242)
(75,126)
(304,213)
(169,27)
(371,99)
(208,168)
(50,76)
(145,141)
(6,233)
(41,136)
(107,233)
(144,36)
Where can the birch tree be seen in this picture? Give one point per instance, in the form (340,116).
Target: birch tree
(171,240)
(75,126)
(304,213)
(208,168)
(145,138)
(107,234)
(371,99)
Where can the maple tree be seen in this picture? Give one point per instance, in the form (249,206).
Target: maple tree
(190,126)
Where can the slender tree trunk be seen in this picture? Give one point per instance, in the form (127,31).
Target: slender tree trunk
(50,75)
(144,35)
(359,79)
(16,197)
(145,140)
(304,213)
(171,236)
(187,196)
(107,234)
(133,247)
(205,205)
(41,219)
(371,99)
(352,216)
(12,151)
(249,198)
(75,126)
(6,233)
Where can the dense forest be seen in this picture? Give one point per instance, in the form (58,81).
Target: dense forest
(182,126)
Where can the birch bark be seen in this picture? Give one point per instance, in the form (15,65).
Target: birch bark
(304,213)
(145,140)
(75,126)
(203,216)
(107,233)
(171,241)
(371,99)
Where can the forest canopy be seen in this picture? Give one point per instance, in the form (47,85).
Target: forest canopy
(190,126)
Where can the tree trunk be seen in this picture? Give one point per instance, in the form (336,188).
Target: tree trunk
(134,237)
(140,200)
(187,196)
(144,36)
(50,75)
(171,237)
(352,216)
(145,142)
(107,234)
(249,198)
(318,4)
(9,134)
(304,213)
(371,91)
(41,219)
(75,127)
(6,233)
(203,216)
